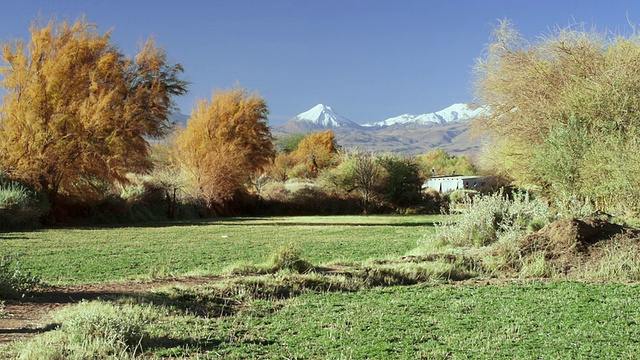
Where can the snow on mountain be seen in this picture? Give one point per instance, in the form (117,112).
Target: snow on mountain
(452,114)
(323,116)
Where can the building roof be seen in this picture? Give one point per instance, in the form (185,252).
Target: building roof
(452,177)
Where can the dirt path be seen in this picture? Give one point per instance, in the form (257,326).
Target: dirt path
(32,315)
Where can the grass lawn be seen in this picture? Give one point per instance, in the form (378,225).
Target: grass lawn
(437,320)
(68,256)
(531,320)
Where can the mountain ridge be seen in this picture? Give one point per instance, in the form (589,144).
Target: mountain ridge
(450,132)
(448,129)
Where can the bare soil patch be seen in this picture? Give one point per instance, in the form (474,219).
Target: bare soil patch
(568,243)
(33,314)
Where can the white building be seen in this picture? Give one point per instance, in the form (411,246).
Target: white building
(446,184)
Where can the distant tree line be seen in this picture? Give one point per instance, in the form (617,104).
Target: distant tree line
(85,133)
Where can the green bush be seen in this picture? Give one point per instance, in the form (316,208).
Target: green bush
(284,258)
(402,184)
(484,219)
(14,282)
(461,196)
(20,207)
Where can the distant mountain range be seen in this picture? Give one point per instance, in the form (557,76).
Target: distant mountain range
(447,129)
(452,114)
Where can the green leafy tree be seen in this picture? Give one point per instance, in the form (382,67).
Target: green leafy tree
(289,143)
(440,162)
(402,183)
(359,172)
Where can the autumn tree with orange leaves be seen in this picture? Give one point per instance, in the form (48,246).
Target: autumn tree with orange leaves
(226,141)
(76,112)
(317,150)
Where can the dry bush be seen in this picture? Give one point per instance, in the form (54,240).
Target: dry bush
(563,112)
(486,218)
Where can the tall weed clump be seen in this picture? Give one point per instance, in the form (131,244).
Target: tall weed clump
(93,330)
(20,207)
(14,281)
(284,258)
(485,219)
(612,261)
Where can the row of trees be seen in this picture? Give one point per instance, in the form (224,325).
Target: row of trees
(228,153)
(77,116)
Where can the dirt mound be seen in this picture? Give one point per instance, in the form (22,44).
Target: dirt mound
(568,242)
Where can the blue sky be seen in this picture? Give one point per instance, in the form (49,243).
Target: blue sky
(368,60)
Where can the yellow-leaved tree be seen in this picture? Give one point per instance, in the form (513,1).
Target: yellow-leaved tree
(316,151)
(76,113)
(227,140)
(564,114)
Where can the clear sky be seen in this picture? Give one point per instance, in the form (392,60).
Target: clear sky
(368,60)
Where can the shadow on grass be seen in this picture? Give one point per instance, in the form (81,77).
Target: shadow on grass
(198,304)
(17,237)
(248,221)
(167,346)
(25,330)
(67,297)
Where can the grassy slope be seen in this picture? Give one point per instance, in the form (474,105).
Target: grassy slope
(68,256)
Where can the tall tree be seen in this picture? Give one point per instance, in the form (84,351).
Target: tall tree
(440,162)
(316,150)
(76,112)
(402,183)
(226,141)
(565,112)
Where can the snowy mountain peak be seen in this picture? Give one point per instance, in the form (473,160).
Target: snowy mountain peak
(451,114)
(323,116)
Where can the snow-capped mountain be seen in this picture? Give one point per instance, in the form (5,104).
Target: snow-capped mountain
(324,116)
(317,118)
(447,129)
(452,114)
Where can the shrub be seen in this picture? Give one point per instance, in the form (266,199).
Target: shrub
(461,196)
(284,258)
(14,282)
(20,207)
(288,258)
(435,203)
(93,330)
(275,191)
(615,260)
(486,218)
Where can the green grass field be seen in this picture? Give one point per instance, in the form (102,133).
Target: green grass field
(529,321)
(434,320)
(69,256)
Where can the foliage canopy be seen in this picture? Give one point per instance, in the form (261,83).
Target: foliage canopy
(226,141)
(565,113)
(76,112)
(316,150)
